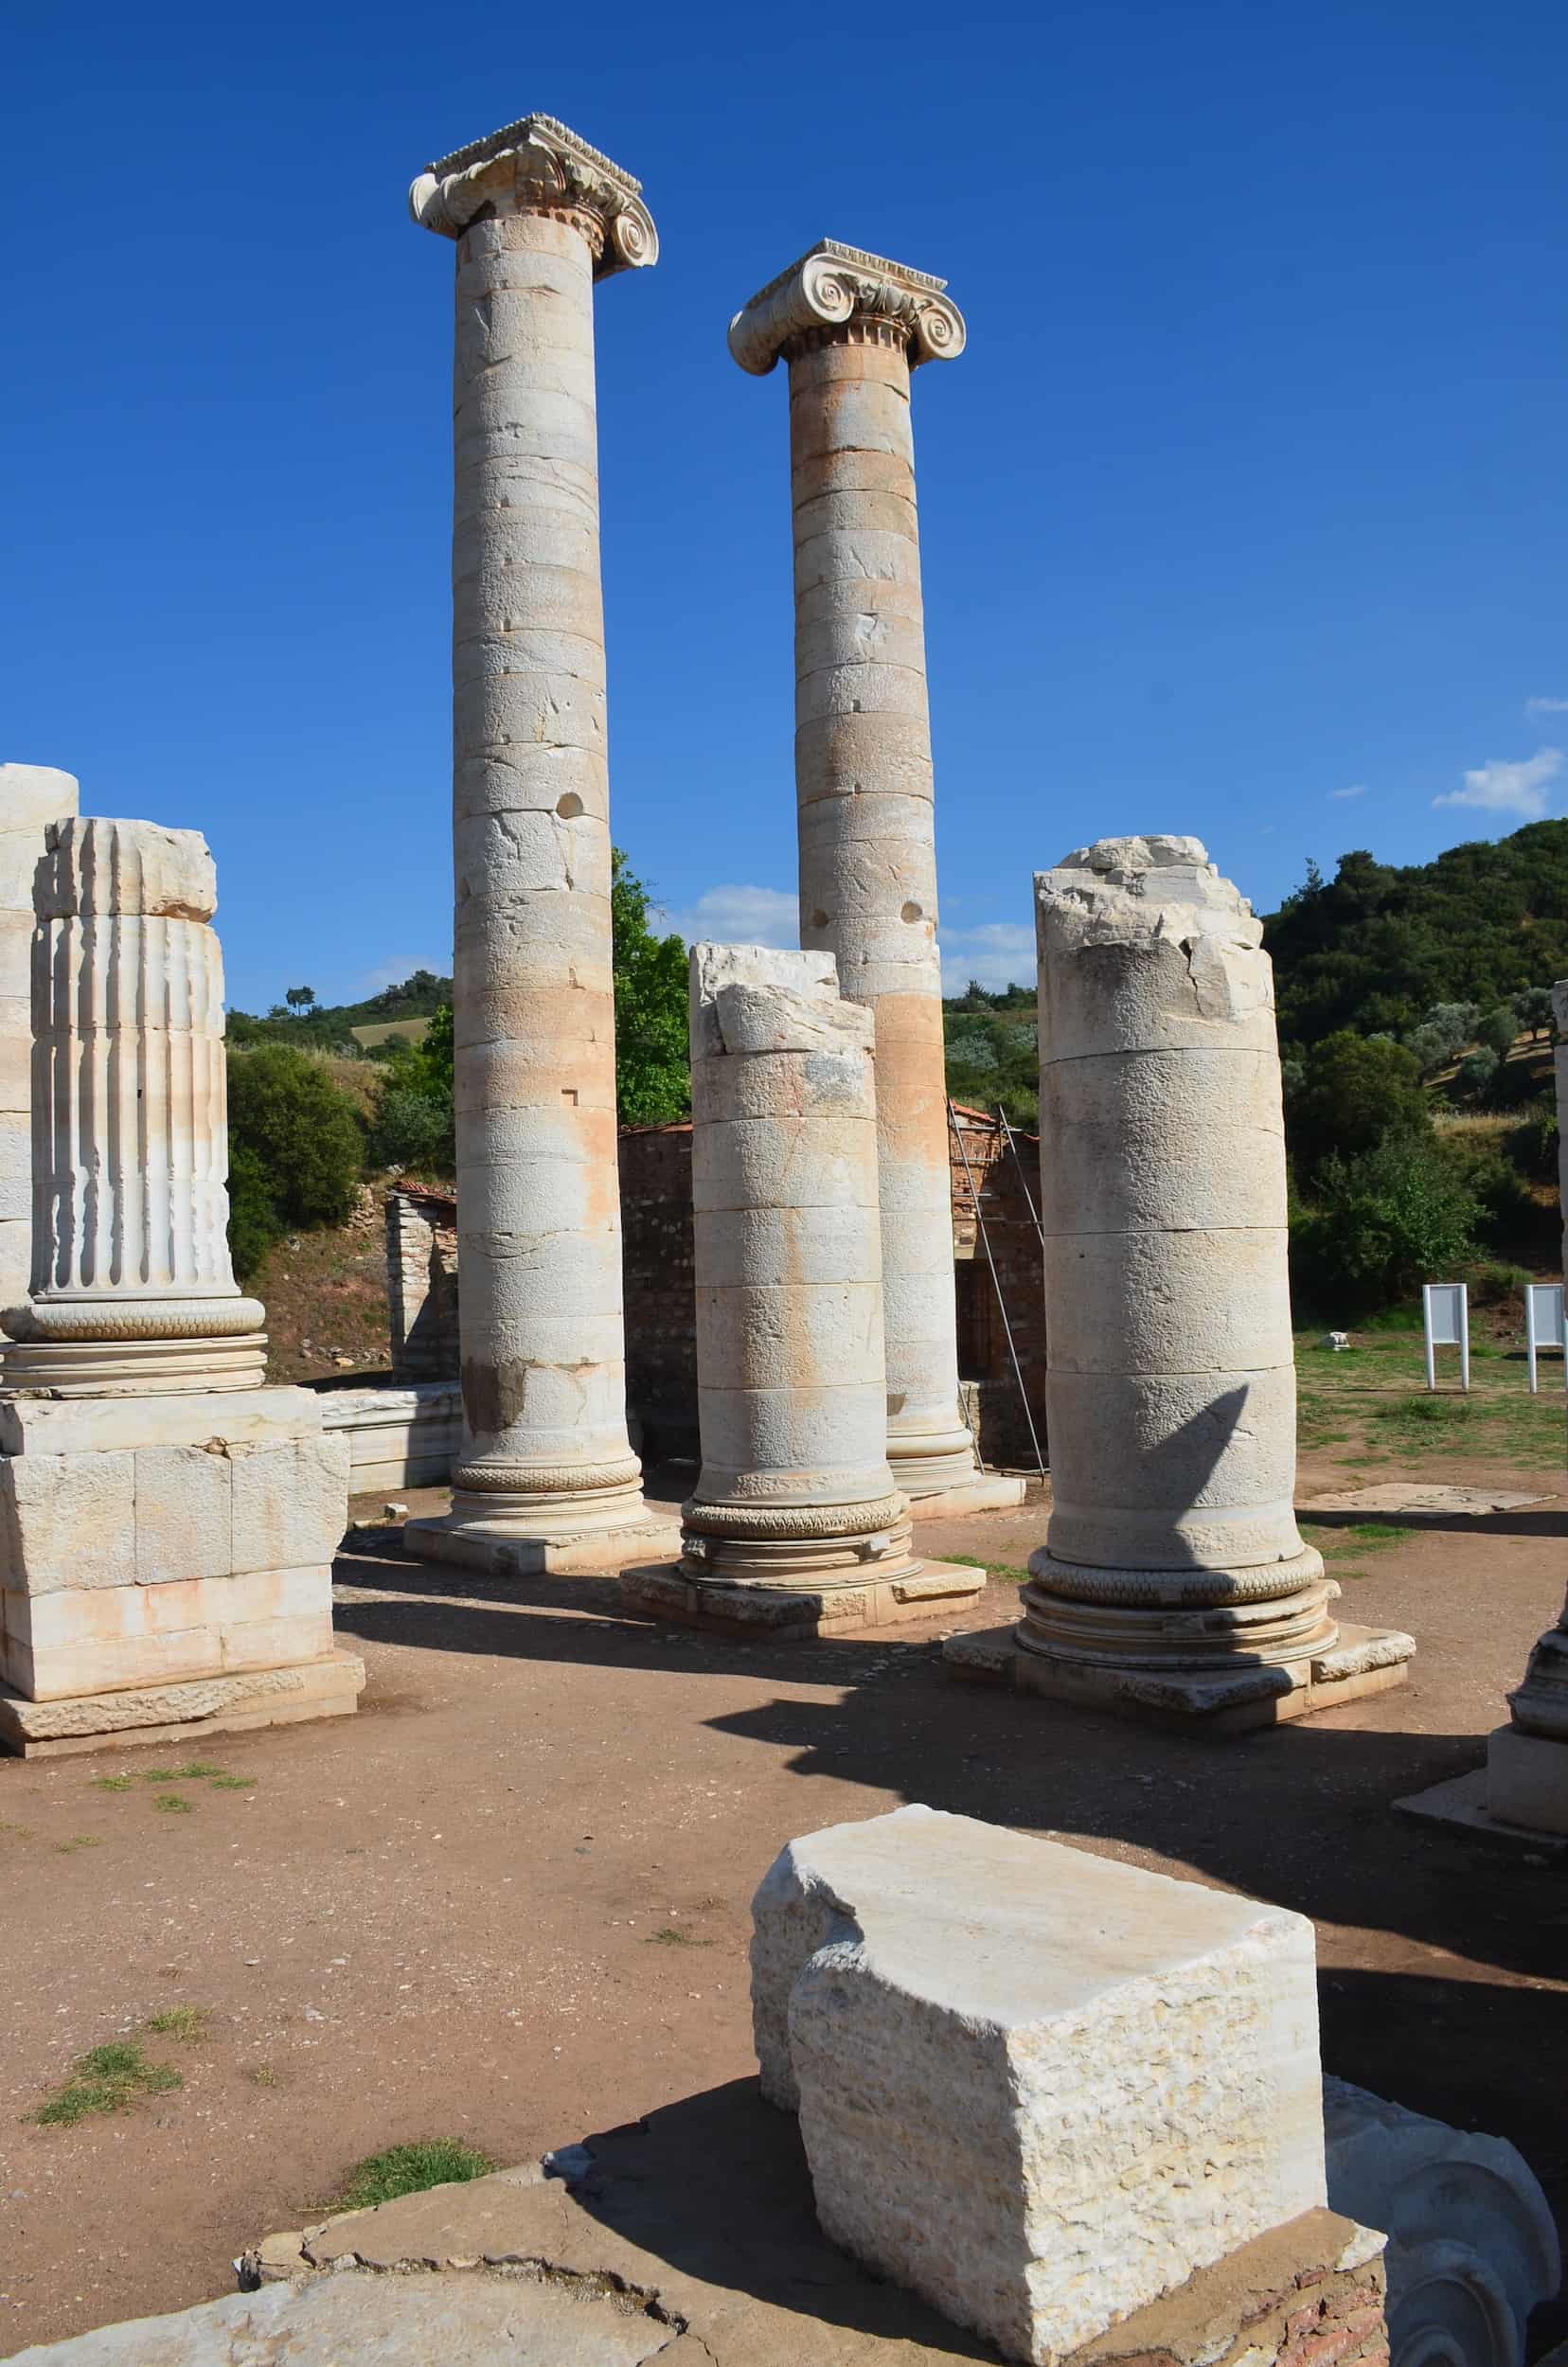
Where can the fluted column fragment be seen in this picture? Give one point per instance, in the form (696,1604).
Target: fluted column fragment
(132,1286)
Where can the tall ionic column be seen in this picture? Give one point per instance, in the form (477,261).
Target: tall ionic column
(132,1288)
(1173,1576)
(796,1524)
(546,1478)
(852,328)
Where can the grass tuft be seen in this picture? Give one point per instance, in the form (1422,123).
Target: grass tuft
(170,1804)
(409,2169)
(77,1841)
(180,2021)
(114,1783)
(231,1783)
(670,1937)
(106,2079)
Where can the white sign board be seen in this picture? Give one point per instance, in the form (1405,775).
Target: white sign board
(1446,1309)
(1543,1322)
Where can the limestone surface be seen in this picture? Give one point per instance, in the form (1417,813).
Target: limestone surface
(1173,1550)
(132,1286)
(851,326)
(1472,2247)
(794,1494)
(31,797)
(1037,2086)
(537,216)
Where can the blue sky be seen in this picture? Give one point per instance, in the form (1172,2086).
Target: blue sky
(1242,513)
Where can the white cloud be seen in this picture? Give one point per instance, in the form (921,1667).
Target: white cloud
(995,952)
(1546,707)
(1502,787)
(740,915)
(393,973)
(1358,791)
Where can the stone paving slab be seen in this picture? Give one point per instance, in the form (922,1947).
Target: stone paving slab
(418,2320)
(1412,1500)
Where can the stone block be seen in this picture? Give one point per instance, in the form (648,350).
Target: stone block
(100,1425)
(67,1521)
(1040,2087)
(291,1502)
(16,933)
(175,1710)
(33,795)
(183,1513)
(776,1614)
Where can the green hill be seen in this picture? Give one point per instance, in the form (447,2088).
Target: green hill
(349,1027)
(1378,944)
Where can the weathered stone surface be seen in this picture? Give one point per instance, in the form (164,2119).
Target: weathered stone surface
(795,1495)
(1039,2087)
(851,327)
(31,797)
(1472,2247)
(179,1710)
(537,216)
(132,1286)
(398,1437)
(1173,1577)
(411,2321)
(703,2215)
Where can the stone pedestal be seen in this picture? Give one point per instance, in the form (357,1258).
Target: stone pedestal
(795,1525)
(1523,1791)
(1040,2087)
(166,1524)
(32,796)
(547,1479)
(1173,1578)
(852,327)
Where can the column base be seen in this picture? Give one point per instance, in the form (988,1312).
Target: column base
(505,1545)
(181,1712)
(925,1462)
(1360,1662)
(1520,1796)
(983,1491)
(772,1614)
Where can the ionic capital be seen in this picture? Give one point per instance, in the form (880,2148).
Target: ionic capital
(838,292)
(536,166)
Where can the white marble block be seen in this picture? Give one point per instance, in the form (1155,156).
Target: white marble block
(1039,2087)
(139,1556)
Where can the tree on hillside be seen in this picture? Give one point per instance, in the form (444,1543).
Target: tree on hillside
(1352,1092)
(1533,1009)
(652,1057)
(1381,944)
(295,1148)
(300,997)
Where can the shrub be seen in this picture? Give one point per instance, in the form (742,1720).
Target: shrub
(413,1130)
(1477,1073)
(1353,1091)
(1497,1029)
(296,1148)
(1379,1224)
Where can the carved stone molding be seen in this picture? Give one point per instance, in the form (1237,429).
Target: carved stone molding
(537,165)
(841,293)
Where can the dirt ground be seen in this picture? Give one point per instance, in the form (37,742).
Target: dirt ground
(507,1901)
